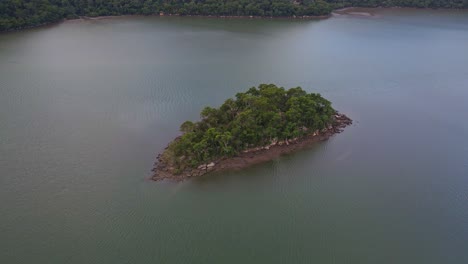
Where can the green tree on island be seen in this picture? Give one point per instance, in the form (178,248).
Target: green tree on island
(255,118)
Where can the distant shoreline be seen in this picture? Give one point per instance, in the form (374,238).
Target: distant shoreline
(348,11)
(86,18)
(207,16)
(371,11)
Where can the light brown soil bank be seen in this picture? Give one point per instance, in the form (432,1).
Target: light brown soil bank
(85,18)
(253,156)
(258,17)
(355,11)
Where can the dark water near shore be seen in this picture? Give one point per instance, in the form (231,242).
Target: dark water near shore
(86,106)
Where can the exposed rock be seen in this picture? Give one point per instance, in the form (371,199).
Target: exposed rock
(253,155)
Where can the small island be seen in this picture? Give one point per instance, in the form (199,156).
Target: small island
(255,126)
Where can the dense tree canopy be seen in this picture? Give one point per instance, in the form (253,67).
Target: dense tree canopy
(255,118)
(16,14)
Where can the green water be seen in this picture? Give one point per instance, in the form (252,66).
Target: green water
(86,106)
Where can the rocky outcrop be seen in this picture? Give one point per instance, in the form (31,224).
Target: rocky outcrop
(252,156)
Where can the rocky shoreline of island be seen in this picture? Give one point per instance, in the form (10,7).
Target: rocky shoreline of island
(249,157)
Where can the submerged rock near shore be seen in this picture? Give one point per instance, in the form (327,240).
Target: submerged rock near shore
(257,126)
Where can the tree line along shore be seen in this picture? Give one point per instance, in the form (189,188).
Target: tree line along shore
(247,129)
(20,14)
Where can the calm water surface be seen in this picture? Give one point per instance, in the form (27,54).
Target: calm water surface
(86,106)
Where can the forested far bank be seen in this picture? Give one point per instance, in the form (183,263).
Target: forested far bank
(18,14)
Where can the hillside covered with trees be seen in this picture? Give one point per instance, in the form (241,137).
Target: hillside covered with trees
(17,14)
(259,117)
